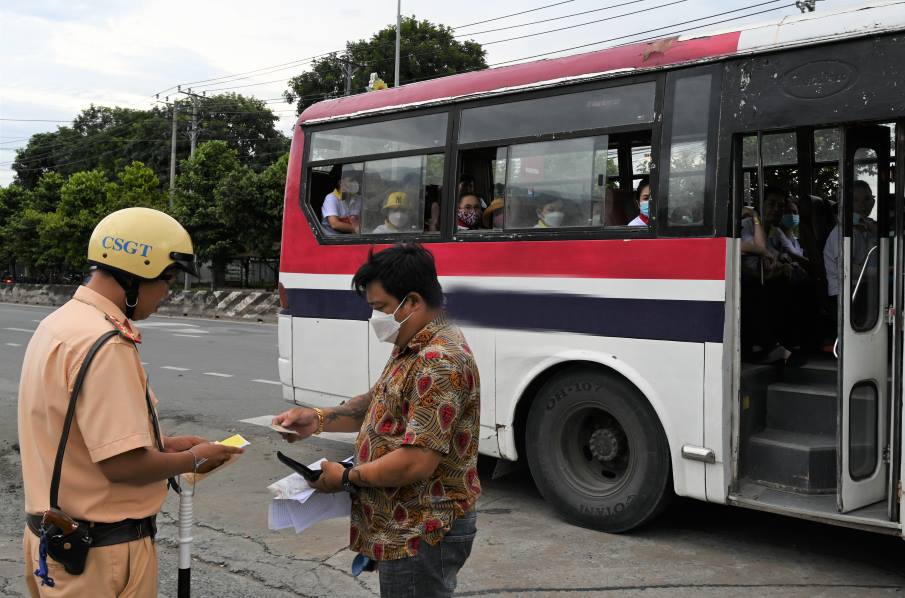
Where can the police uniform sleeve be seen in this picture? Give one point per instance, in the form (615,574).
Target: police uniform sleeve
(111,412)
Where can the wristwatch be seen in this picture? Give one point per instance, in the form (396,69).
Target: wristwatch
(348,486)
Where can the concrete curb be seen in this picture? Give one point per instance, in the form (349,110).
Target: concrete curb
(259,306)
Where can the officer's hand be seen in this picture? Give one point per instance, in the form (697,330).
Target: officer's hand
(301,419)
(177,444)
(332,478)
(216,455)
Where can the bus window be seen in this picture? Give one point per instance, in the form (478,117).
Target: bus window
(827,151)
(551,183)
(596,109)
(395,192)
(688,155)
(404,134)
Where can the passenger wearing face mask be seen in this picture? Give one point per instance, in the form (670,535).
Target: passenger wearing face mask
(397,214)
(642,201)
(468,214)
(415,481)
(782,236)
(551,215)
(341,209)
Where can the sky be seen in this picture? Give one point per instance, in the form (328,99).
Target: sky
(59,56)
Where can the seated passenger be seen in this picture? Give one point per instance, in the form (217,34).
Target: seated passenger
(642,201)
(550,215)
(397,215)
(467,186)
(864,235)
(782,223)
(495,215)
(468,214)
(341,210)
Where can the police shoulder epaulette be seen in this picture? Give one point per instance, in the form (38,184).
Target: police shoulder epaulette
(123,329)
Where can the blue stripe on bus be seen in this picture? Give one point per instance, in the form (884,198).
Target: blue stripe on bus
(655,319)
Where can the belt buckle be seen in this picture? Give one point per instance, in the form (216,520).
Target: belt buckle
(140,526)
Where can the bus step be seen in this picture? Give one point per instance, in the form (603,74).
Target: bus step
(793,461)
(809,408)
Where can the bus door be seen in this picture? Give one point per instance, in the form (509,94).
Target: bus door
(864,250)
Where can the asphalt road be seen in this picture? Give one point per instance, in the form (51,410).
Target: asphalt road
(209,374)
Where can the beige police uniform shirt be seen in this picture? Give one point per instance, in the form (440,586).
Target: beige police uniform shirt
(111,414)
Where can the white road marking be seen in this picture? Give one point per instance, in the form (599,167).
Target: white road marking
(38,321)
(145,363)
(190,331)
(13,345)
(168,324)
(20,329)
(174,368)
(259,381)
(188,336)
(219,375)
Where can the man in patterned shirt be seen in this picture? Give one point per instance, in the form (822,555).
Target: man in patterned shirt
(415,479)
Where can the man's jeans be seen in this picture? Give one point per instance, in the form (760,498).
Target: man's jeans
(432,572)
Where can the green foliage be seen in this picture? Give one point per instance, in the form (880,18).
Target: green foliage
(110,139)
(426,51)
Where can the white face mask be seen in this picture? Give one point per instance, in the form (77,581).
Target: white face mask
(398,218)
(385,326)
(554,219)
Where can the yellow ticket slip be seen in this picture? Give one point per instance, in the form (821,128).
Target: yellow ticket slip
(236,440)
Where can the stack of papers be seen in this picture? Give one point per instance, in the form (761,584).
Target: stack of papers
(299,506)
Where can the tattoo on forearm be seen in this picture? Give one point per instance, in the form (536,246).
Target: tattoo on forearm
(353,408)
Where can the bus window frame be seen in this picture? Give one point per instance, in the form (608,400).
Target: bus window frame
(707,228)
(571,233)
(314,221)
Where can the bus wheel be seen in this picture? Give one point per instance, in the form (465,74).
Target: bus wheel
(597,451)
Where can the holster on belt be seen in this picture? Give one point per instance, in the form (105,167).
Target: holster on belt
(67,541)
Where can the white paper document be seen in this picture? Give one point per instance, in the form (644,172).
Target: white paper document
(299,506)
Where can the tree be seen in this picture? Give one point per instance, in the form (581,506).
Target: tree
(198,207)
(426,51)
(109,139)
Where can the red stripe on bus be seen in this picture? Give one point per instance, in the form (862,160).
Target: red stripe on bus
(635,56)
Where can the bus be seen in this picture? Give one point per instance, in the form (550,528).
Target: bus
(611,356)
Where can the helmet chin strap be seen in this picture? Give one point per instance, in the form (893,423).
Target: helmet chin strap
(130,285)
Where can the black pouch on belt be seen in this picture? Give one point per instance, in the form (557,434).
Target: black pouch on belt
(67,541)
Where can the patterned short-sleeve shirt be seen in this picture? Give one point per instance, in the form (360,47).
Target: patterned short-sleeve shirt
(428,395)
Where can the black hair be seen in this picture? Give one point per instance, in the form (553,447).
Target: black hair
(467,194)
(645,182)
(466,178)
(860,185)
(771,190)
(401,269)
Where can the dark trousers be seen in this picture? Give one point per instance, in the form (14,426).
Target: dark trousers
(432,572)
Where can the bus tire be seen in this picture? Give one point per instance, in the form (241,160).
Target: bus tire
(597,450)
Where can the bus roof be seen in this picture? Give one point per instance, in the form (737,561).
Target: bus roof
(798,30)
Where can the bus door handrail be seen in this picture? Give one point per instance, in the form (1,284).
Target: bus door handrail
(855,294)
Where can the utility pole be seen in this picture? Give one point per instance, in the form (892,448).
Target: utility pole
(398,36)
(349,69)
(173,152)
(193,135)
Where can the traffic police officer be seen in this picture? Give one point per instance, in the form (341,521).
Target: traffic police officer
(115,461)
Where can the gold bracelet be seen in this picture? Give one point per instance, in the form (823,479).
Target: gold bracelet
(320,420)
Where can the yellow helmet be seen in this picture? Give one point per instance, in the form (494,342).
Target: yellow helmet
(396,201)
(141,242)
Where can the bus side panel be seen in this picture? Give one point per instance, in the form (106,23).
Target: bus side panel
(668,374)
(717,422)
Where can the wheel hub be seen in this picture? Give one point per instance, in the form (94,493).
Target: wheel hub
(605,444)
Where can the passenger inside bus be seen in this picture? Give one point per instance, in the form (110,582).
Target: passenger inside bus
(397,213)
(432,208)
(341,209)
(468,212)
(776,290)
(864,234)
(467,186)
(550,215)
(642,201)
(494,216)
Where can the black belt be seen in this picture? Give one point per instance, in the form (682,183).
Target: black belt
(108,534)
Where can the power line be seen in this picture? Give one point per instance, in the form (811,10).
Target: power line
(515,14)
(574,14)
(34,120)
(661,28)
(619,16)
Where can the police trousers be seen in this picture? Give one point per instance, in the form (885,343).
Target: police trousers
(127,570)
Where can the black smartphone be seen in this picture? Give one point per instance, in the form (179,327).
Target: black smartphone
(310,475)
